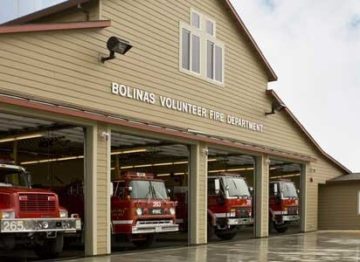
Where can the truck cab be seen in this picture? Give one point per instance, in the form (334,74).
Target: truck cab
(141,208)
(31,217)
(283,205)
(229,204)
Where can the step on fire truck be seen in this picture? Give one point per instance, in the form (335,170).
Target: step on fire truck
(31,217)
(229,205)
(140,207)
(283,205)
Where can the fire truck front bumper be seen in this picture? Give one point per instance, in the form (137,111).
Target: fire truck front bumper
(143,227)
(240,221)
(290,218)
(31,225)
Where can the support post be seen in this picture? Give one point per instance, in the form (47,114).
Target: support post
(262,196)
(198,194)
(97,190)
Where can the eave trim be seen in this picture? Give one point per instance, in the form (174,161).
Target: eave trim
(54,26)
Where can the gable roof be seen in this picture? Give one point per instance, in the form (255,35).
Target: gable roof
(74,3)
(270,72)
(274,96)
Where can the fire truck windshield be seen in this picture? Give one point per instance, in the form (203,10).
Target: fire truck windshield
(12,177)
(288,189)
(148,189)
(236,187)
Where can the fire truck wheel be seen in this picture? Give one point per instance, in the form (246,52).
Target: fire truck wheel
(280,228)
(147,242)
(226,234)
(50,248)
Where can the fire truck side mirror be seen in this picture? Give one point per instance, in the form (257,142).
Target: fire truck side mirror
(111,189)
(217,186)
(276,191)
(28,178)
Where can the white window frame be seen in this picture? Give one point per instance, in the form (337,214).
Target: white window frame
(204,37)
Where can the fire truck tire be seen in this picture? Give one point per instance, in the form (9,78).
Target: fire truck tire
(50,248)
(226,234)
(280,228)
(147,242)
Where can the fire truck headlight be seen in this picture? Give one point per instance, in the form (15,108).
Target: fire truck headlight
(172,211)
(7,214)
(63,213)
(139,211)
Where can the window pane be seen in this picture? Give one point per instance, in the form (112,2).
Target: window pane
(210,60)
(195,54)
(186,49)
(218,64)
(209,27)
(195,20)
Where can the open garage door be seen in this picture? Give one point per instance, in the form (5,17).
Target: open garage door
(149,207)
(285,197)
(231,181)
(40,222)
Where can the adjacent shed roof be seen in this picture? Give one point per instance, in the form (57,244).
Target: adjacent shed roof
(349,178)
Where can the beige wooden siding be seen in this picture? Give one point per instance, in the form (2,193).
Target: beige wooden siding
(102,184)
(338,206)
(63,67)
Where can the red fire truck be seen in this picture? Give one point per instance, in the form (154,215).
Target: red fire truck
(31,217)
(283,205)
(229,205)
(140,207)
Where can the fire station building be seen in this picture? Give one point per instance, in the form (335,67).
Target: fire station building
(89,88)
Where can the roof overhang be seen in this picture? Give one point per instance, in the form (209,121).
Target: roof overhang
(54,26)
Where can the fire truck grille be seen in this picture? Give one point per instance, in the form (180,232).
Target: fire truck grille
(37,203)
(243,212)
(292,210)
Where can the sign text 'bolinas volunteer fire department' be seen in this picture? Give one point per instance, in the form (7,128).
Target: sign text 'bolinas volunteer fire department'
(183,107)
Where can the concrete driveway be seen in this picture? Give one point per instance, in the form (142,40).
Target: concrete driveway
(316,246)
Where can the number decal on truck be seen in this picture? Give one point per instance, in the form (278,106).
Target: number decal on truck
(156,204)
(13,226)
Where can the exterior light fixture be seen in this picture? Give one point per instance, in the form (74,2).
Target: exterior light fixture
(276,106)
(116,45)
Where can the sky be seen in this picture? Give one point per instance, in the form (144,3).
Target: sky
(314,48)
(10,9)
